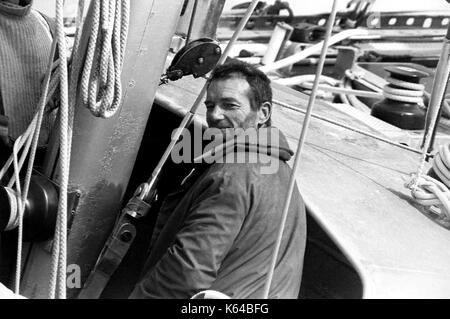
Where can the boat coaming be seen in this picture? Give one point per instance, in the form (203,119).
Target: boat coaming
(354,190)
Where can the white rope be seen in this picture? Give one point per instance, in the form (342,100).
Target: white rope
(290,60)
(431,192)
(35,141)
(58,268)
(428,191)
(412,92)
(17,147)
(441,164)
(437,98)
(75,69)
(408,92)
(20,219)
(101,88)
(305,78)
(332,89)
(405,84)
(29,138)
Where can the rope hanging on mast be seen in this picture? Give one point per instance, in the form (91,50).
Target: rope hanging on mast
(101,88)
(58,266)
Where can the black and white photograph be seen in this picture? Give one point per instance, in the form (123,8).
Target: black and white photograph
(225,155)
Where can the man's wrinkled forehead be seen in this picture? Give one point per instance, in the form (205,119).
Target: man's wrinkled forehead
(228,89)
(232,75)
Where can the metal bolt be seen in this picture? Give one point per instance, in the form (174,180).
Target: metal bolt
(217,50)
(200,60)
(126,236)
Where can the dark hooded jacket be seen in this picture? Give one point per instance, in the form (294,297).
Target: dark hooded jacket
(218,231)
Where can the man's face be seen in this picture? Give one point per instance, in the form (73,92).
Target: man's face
(228,104)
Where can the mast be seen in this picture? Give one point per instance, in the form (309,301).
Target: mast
(205,18)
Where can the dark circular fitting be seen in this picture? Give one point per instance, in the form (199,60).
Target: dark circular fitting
(197,58)
(406,73)
(126,236)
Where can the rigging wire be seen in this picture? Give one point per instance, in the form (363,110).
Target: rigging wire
(304,131)
(191,22)
(425,189)
(351,128)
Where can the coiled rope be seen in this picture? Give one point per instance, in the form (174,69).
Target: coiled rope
(425,187)
(403,91)
(428,191)
(441,164)
(101,88)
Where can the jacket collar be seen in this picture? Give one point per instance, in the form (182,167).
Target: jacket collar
(22,9)
(267,140)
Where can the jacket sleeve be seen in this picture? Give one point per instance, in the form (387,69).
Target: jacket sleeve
(191,263)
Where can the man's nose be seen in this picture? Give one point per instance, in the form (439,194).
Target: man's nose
(216,113)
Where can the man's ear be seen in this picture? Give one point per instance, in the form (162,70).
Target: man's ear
(264,113)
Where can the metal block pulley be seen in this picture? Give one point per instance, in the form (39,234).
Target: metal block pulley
(197,58)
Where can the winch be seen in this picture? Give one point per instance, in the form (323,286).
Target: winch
(40,212)
(402,105)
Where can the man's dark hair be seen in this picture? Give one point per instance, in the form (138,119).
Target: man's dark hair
(261,91)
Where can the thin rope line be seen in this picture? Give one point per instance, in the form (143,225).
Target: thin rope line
(305,127)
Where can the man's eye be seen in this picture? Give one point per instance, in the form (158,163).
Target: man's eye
(209,106)
(231,105)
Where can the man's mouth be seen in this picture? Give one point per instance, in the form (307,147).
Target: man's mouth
(221,125)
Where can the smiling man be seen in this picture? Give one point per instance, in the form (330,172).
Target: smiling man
(218,230)
(238,96)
